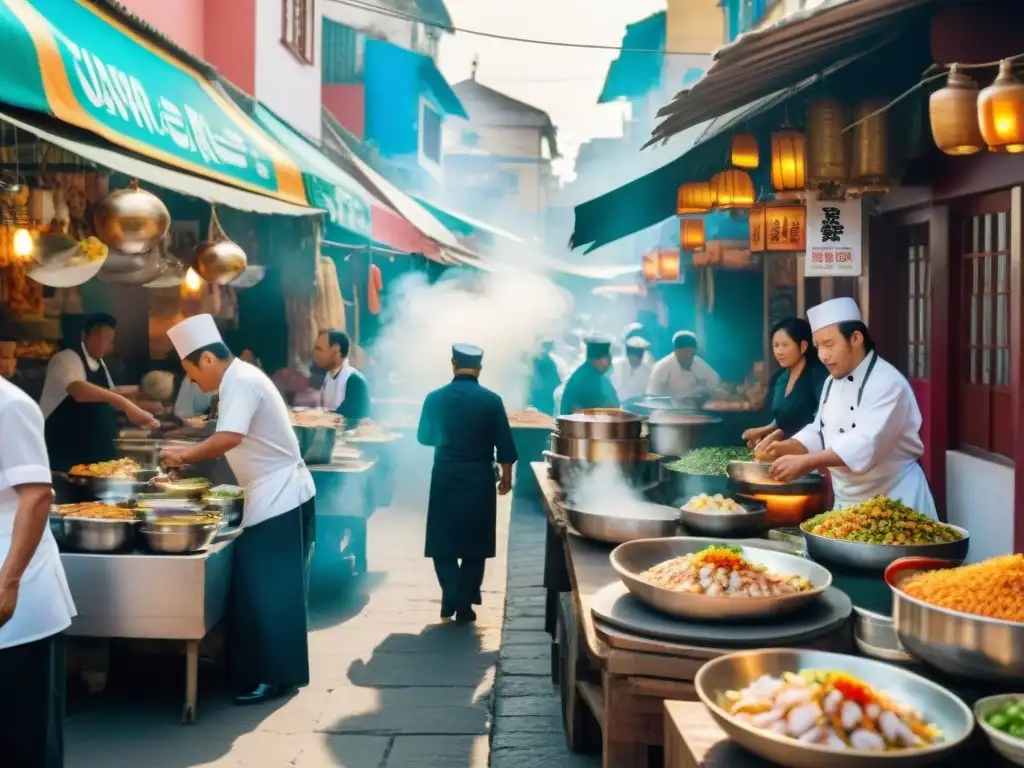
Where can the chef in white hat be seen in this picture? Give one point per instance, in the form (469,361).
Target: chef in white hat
(867,430)
(631,372)
(267,626)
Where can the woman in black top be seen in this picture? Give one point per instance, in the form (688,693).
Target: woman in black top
(795,389)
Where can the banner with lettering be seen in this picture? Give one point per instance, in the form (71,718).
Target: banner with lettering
(834,238)
(74,60)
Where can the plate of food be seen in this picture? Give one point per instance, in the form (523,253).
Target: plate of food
(708,579)
(1002,720)
(116,469)
(808,709)
(872,535)
(720,515)
(188,487)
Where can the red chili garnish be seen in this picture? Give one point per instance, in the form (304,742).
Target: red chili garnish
(852,689)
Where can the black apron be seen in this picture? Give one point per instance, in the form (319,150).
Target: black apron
(82,433)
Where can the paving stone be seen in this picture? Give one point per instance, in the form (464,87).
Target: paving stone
(548,705)
(525,651)
(348,751)
(525,637)
(528,724)
(527,667)
(523,686)
(438,751)
(524,623)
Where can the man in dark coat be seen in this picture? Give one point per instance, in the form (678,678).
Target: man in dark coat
(468,428)
(545,380)
(589,385)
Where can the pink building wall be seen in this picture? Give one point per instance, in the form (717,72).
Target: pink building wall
(183,21)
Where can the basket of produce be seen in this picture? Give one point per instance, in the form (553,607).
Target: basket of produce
(872,535)
(709,580)
(720,515)
(94,526)
(1002,720)
(965,620)
(809,709)
(705,470)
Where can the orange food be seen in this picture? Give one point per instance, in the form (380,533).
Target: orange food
(993,588)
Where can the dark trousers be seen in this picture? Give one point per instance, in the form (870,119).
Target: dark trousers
(460,584)
(32,681)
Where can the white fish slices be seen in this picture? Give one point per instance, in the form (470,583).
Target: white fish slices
(811,707)
(691,573)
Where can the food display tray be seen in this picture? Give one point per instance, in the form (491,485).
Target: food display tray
(615,606)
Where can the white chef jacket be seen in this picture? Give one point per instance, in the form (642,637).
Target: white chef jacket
(878,438)
(191,400)
(267,463)
(333,388)
(670,379)
(63,369)
(630,382)
(44,605)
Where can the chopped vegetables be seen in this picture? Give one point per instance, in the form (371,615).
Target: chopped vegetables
(880,520)
(993,588)
(1008,718)
(716,505)
(709,461)
(830,709)
(721,571)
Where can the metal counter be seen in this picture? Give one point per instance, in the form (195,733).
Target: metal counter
(344,503)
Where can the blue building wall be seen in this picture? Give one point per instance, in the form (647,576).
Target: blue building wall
(743,15)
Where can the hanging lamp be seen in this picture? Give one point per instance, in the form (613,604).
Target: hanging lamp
(649,269)
(953,111)
(668,265)
(789,160)
(691,234)
(1001,112)
(732,189)
(694,197)
(869,163)
(827,161)
(744,153)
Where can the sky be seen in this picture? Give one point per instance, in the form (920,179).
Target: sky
(564,82)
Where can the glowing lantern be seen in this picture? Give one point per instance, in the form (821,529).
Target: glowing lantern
(789,160)
(785,228)
(192,285)
(1001,112)
(826,143)
(693,198)
(953,113)
(744,152)
(870,143)
(691,234)
(732,189)
(668,265)
(24,246)
(650,270)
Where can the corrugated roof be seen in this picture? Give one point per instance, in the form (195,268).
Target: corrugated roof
(800,45)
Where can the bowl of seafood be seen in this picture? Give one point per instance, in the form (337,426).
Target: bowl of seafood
(94,526)
(966,620)
(712,580)
(718,515)
(809,709)
(873,534)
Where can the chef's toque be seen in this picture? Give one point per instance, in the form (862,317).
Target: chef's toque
(194,333)
(832,312)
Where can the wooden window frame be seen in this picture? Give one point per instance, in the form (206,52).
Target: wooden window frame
(300,47)
(915,250)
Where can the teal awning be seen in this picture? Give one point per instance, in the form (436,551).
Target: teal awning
(634,74)
(463,225)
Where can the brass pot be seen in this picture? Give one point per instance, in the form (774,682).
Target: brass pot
(132,220)
(220,261)
(622,451)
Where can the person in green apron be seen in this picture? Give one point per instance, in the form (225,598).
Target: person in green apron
(267,643)
(589,385)
(78,401)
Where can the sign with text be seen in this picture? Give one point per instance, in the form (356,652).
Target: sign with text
(833,238)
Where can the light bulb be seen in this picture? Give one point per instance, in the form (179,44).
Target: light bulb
(192,280)
(24,245)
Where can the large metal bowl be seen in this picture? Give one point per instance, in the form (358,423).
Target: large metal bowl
(738,670)
(875,636)
(113,489)
(968,646)
(642,521)
(83,534)
(601,450)
(752,520)
(630,560)
(177,539)
(193,488)
(877,557)
(569,473)
(600,424)
(1006,745)
(316,444)
(675,434)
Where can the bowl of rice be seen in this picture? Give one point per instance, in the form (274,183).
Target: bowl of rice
(966,620)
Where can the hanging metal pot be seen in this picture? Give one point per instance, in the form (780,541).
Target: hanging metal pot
(131,220)
(219,260)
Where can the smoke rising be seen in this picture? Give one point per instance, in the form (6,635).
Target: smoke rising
(604,491)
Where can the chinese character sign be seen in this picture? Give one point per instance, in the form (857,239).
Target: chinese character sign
(784,228)
(834,232)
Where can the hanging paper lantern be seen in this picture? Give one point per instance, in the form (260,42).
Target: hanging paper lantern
(693,198)
(789,160)
(744,152)
(757,219)
(691,234)
(650,268)
(732,189)
(826,142)
(785,228)
(1001,112)
(870,163)
(953,113)
(668,265)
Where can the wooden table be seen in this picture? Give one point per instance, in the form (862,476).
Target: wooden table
(694,740)
(614,683)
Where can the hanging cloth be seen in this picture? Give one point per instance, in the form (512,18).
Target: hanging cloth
(375,286)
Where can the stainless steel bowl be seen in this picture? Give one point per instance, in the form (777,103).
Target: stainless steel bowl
(878,557)
(630,560)
(601,450)
(601,424)
(643,521)
(569,473)
(113,489)
(752,520)
(738,670)
(1006,745)
(177,539)
(875,636)
(675,434)
(193,488)
(961,644)
(316,444)
(83,534)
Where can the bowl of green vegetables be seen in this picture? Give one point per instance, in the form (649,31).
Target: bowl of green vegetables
(1002,720)
(705,470)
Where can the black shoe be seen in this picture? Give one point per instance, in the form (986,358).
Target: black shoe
(447,611)
(465,616)
(259,694)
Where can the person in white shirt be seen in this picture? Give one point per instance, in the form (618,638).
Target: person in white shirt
(344,390)
(78,401)
(867,431)
(268,653)
(683,375)
(631,373)
(35,602)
